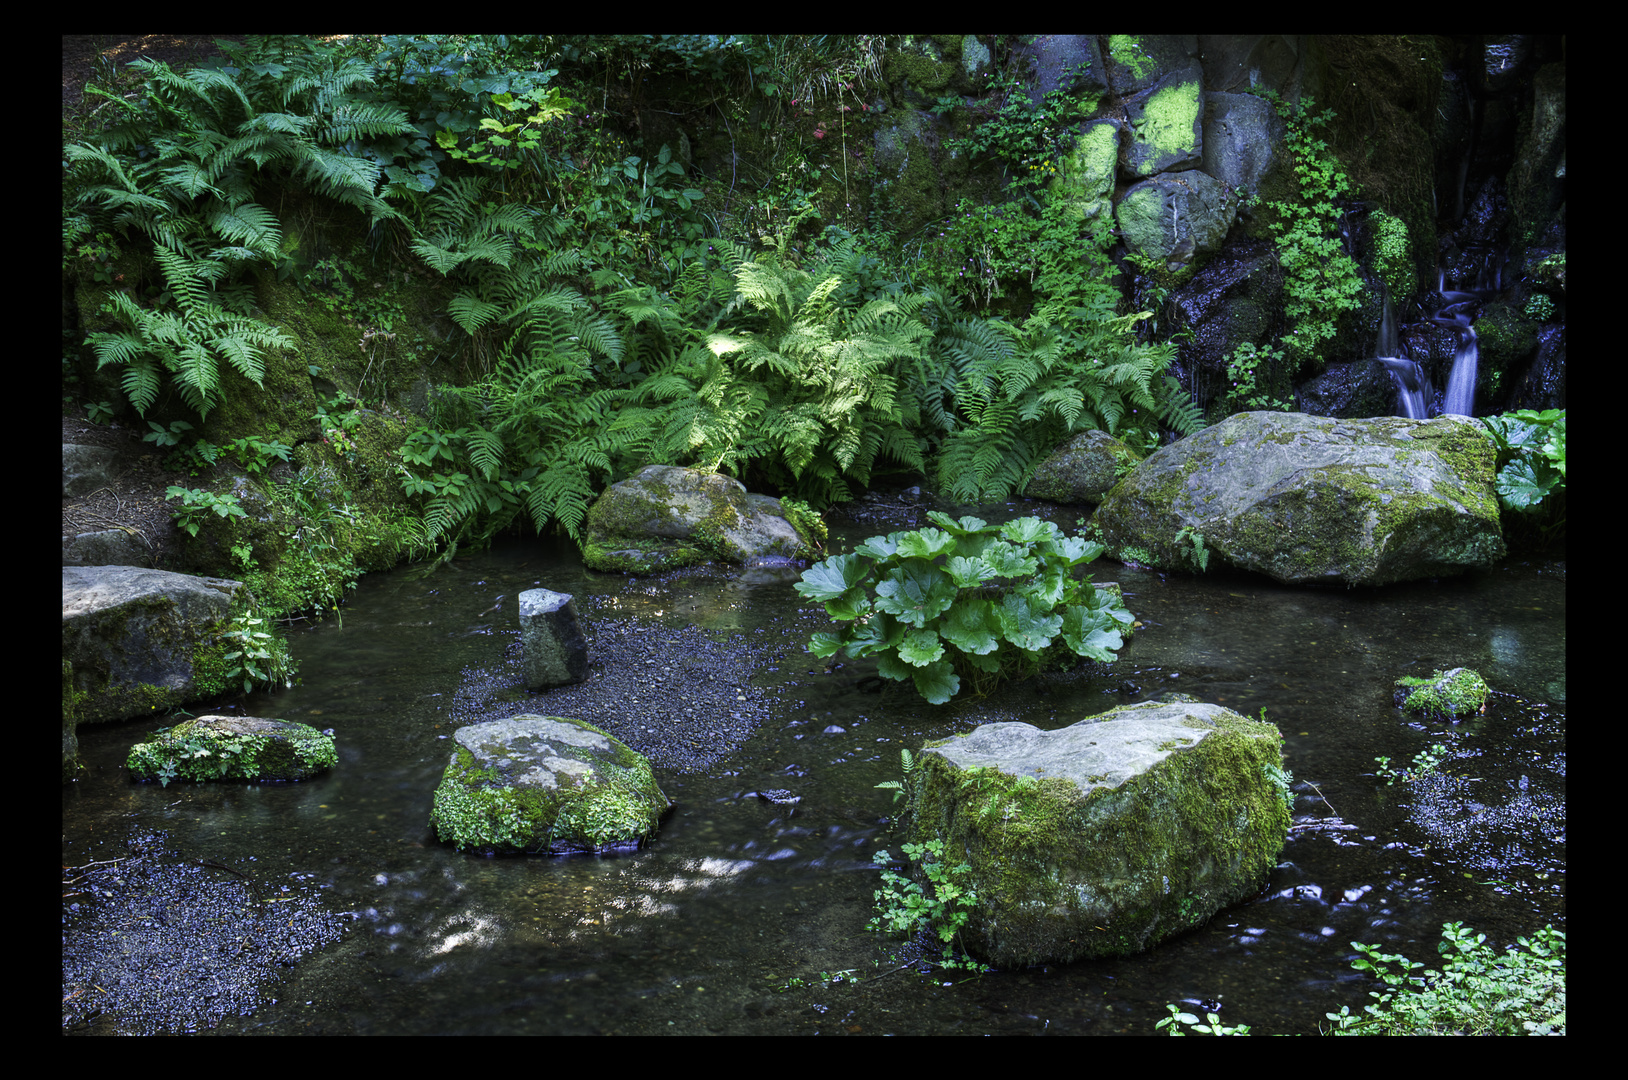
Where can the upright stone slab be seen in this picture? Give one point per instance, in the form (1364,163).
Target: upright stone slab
(556,653)
(1106,837)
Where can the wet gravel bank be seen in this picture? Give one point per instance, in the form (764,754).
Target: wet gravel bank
(157,943)
(681,696)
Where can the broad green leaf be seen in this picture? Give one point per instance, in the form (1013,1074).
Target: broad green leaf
(1025,628)
(830,578)
(926,543)
(920,648)
(971,626)
(1524,484)
(950,525)
(1074,549)
(915,592)
(937,682)
(879,633)
(824,644)
(880,548)
(1009,561)
(1028,530)
(967,573)
(1091,634)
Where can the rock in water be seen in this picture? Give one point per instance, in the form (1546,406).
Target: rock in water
(1107,837)
(549,785)
(1314,500)
(556,653)
(233,748)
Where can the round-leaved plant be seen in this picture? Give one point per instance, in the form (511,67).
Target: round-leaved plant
(965,600)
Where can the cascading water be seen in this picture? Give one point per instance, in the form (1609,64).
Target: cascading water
(1414,390)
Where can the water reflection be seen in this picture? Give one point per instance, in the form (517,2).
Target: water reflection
(737,897)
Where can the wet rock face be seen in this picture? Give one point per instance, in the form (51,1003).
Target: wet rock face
(1314,500)
(550,785)
(1109,836)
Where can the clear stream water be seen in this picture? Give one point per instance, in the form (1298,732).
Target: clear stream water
(709,929)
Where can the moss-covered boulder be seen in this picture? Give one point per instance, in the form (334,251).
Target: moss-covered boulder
(1445,695)
(1083,469)
(666,517)
(545,785)
(232,748)
(1106,837)
(1314,500)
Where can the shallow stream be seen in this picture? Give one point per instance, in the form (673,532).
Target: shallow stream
(746,917)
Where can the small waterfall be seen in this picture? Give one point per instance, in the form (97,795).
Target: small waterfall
(1460,399)
(1412,391)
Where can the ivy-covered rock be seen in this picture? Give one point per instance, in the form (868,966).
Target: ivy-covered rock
(1445,695)
(1314,500)
(545,785)
(232,748)
(1107,837)
(667,517)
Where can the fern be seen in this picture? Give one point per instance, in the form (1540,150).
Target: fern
(181,171)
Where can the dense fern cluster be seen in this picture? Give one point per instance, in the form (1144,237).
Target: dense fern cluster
(180,169)
(803,370)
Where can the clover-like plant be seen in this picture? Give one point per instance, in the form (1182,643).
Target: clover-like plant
(965,601)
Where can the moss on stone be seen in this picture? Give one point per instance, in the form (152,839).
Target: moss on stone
(1035,891)
(1449,695)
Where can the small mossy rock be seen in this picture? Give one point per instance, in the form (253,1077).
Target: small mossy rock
(1083,469)
(666,517)
(536,785)
(233,748)
(1106,837)
(1312,500)
(1446,695)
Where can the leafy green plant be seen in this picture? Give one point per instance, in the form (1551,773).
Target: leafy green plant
(1425,761)
(256,454)
(170,436)
(197,503)
(965,600)
(179,167)
(1476,991)
(259,658)
(1248,370)
(907,765)
(1532,466)
(1321,282)
(943,908)
(1212,1025)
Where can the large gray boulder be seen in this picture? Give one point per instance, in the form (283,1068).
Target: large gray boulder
(666,517)
(233,748)
(554,785)
(137,638)
(1313,500)
(1107,837)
